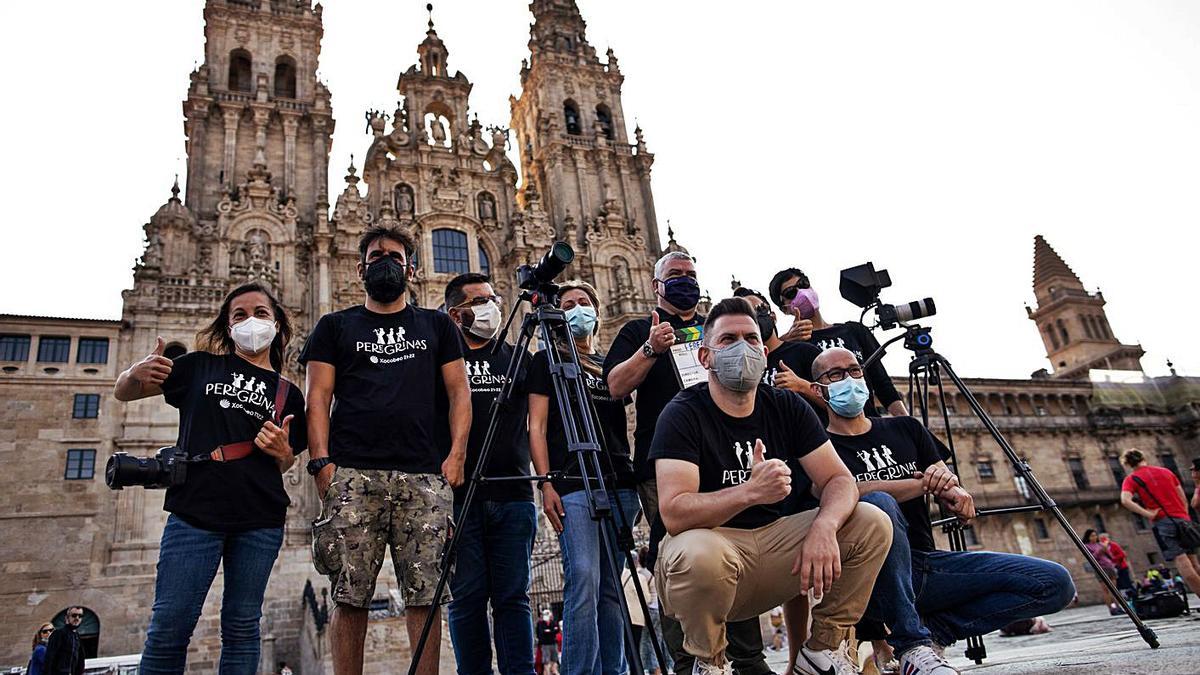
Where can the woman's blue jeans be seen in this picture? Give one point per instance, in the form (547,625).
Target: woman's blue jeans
(188,558)
(593,626)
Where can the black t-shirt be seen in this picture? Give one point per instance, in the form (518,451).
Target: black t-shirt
(509,455)
(224,399)
(894,449)
(547,633)
(694,429)
(610,423)
(656,391)
(857,338)
(387,366)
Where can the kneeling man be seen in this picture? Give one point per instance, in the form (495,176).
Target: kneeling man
(961,593)
(727,453)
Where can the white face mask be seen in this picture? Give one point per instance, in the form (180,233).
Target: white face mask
(253,335)
(487,321)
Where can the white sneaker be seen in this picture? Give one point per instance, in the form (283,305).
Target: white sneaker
(824,662)
(924,660)
(702,667)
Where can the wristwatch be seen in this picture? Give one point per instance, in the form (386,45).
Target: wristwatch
(648,351)
(315,465)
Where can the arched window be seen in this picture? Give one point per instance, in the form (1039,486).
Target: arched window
(285,77)
(571,113)
(1053,338)
(604,117)
(621,278)
(1062,333)
(450,252)
(239,71)
(486,205)
(485,263)
(402,199)
(1087,325)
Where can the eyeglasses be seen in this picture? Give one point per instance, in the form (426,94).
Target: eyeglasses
(481,300)
(46,630)
(74,616)
(790,292)
(839,374)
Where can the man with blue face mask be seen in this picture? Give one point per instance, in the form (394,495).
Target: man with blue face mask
(727,454)
(896,465)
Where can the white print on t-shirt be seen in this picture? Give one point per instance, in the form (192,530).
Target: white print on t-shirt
(388,341)
(480,377)
(884,467)
(243,394)
(745,458)
(837,342)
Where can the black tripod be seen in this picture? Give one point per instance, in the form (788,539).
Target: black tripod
(925,369)
(574,409)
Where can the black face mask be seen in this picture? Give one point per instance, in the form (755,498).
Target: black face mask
(766,323)
(385,279)
(682,292)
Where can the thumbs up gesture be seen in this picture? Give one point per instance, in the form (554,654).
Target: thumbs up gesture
(662,334)
(786,378)
(154,369)
(273,440)
(770,479)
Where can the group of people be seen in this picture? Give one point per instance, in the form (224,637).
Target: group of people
(761,460)
(58,651)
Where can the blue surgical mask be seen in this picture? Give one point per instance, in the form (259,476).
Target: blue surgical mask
(582,320)
(848,396)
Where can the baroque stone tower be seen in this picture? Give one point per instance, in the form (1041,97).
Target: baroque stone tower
(1072,322)
(575,150)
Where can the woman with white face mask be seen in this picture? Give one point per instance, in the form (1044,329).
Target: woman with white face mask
(241,425)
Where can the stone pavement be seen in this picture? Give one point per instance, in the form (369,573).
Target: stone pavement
(1085,641)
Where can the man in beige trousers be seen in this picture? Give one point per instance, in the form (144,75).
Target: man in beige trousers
(728,456)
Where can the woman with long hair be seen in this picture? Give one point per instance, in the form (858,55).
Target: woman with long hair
(241,425)
(593,628)
(37,660)
(1099,551)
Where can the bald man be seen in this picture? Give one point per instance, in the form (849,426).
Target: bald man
(897,467)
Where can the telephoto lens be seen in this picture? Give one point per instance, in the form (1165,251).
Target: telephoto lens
(550,266)
(160,471)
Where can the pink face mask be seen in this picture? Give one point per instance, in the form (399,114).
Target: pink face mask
(806,302)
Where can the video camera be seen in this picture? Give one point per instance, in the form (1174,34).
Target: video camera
(861,285)
(167,468)
(534,277)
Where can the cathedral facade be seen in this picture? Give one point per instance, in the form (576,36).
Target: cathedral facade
(256,206)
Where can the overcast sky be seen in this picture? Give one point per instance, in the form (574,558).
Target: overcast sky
(933,138)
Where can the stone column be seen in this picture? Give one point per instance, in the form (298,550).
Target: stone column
(197,125)
(291,122)
(231,115)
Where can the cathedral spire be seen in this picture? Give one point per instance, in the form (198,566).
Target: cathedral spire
(432,51)
(1049,267)
(558,28)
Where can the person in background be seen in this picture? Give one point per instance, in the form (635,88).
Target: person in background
(593,625)
(653,624)
(1099,551)
(37,660)
(1164,503)
(1196,481)
(791,291)
(547,640)
(241,424)
(1121,560)
(64,653)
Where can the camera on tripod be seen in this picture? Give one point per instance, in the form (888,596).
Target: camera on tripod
(861,285)
(167,468)
(535,277)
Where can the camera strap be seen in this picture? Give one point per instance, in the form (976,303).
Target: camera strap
(232,451)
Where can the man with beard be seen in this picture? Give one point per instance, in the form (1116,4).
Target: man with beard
(383,482)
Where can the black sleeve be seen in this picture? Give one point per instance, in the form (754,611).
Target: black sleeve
(800,359)
(537,379)
(677,435)
(926,444)
(298,432)
(804,428)
(627,343)
(183,370)
(881,383)
(449,343)
(54,651)
(322,342)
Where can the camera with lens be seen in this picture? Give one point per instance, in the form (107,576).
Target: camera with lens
(861,285)
(534,277)
(165,469)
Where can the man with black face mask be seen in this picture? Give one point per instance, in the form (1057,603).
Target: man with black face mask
(496,538)
(640,359)
(383,481)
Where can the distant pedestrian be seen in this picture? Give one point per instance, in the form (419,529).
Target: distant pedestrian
(1105,562)
(1163,502)
(284,669)
(64,653)
(547,638)
(1121,560)
(37,661)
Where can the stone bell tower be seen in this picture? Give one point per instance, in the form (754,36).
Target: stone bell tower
(576,152)
(1072,322)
